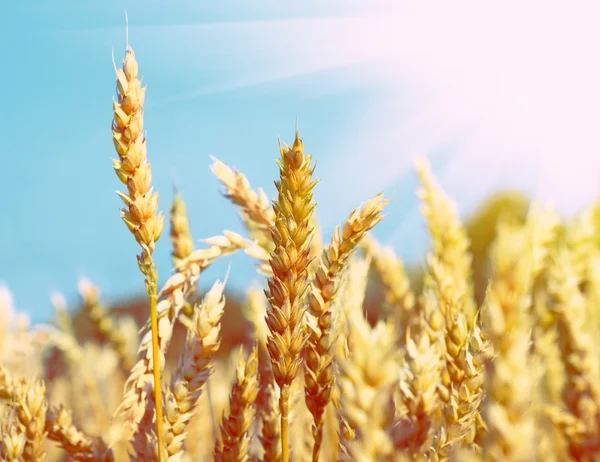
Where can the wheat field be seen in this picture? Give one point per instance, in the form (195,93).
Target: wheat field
(491,354)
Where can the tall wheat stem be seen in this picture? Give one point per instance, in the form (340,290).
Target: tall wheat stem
(284,407)
(156,372)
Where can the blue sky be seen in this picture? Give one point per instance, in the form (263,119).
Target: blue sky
(372,83)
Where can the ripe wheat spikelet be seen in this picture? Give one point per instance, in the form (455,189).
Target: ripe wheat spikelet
(270,424)
(581,392)
(171,300)
(140,214)
(419,379)
(31,413)
(450,241)
(449,312)
(12,437)
(235,429)
(82,377)
(351,299)
(289,262)
(581,239)
(321,344)
(193,369)
(182,244)
(132,168)
(255,209)
(367,381)
(391,272)
(255,311)
(31,406)
(77,444)
(105,323)
(367,364)
(510,380)
(461,384)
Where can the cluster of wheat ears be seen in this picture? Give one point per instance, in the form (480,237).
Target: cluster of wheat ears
(440,376)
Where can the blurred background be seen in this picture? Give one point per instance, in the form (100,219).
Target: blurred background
(503,99)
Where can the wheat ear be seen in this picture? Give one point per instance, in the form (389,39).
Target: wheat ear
(171,300)
(57,423)
(255,210)
(235,429)
(140,214)
(320,348)
(367,379)
(509,379)
(12,438)
(182,244)
(450,241)
(107,326)
(289,262)
(581,392)
(193,369)
(396,285)
(79,446)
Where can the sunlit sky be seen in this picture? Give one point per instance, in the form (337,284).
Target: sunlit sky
(497,96)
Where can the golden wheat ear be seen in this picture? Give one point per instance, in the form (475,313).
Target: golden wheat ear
(321,345)
(289,263)
(141,204)
(236,428)
(182,244)
(506,316)
(193,368)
